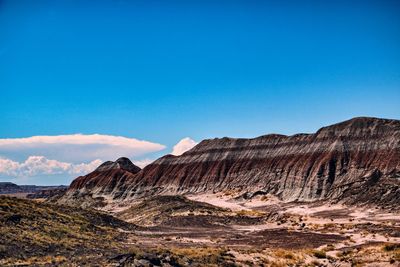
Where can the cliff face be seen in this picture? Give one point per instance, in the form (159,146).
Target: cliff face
(356,160)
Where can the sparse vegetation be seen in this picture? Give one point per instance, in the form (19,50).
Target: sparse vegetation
(37,232)
(320,254)
(285,254)
(391,247)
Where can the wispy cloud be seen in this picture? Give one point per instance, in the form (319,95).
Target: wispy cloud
(77,148)
(182,146)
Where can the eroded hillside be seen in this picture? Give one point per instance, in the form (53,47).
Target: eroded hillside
(355,162)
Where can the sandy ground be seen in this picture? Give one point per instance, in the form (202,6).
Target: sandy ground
(218,200)
(345,235)
(316,218)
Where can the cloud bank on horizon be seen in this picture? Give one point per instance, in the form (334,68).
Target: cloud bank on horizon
(62,157)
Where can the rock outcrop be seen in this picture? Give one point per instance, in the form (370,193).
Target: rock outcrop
(353,161)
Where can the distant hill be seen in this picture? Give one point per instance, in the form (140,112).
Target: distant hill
(7,188)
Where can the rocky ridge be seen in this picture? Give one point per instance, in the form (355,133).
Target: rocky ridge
(355,161)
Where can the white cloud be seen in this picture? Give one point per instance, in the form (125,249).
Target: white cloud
(182,146)
(57,159)
(85,168)
(76,148)
(39,165)
(143,163)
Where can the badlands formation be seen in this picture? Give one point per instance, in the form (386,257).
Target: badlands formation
(330,198)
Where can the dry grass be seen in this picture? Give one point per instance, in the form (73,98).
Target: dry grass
(205,256)
(38,232)
(250,213)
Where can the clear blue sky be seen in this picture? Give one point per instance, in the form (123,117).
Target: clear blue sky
(164,70)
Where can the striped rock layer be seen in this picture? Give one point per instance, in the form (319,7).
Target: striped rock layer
(356,161)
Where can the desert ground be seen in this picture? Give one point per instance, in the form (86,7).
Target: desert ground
(199,230)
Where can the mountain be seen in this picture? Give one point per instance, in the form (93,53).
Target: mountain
(355,161)
(89,190)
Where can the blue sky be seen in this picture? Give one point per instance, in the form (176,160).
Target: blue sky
(161,71)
